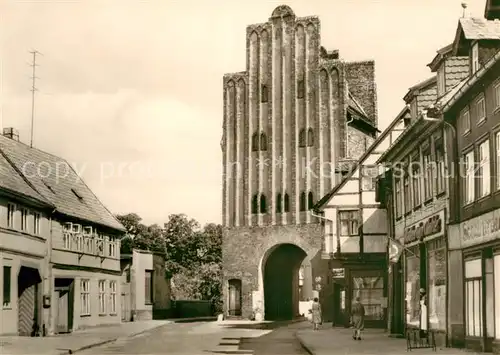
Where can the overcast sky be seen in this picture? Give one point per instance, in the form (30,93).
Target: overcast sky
(130,92)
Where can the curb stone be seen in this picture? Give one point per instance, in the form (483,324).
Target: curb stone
(303,344)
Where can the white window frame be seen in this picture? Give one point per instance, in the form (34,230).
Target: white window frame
(11,215)
(112,296)
(469,182)
(88,239)
(36,223)
(475,57)
(76,233)
(484,168)
(102,296)
(24,219)
(67,235)
(99,245)
(85,297)
(112,246)
(465,119)
(481,103)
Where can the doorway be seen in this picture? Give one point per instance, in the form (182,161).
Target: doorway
(64,308)
(281,282)
(28,281)
(234,308)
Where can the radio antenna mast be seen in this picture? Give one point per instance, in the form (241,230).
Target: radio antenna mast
(33,89)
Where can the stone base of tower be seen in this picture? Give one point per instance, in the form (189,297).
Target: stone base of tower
(261,270)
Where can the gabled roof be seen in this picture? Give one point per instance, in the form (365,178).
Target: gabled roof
(325,199)
(441,54)
(57,182)
(470,29)
(416,88)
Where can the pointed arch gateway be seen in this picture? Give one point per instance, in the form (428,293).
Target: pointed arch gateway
(280,269)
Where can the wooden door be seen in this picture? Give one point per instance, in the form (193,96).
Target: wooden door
(234,297)
(63,311)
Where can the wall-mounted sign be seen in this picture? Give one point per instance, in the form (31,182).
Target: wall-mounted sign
(480,229)
(430,226)
(338,273)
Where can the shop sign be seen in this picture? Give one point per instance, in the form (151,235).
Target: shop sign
(430,226)
(481,229)
(338,273)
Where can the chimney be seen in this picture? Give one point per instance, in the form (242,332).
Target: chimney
(11,133)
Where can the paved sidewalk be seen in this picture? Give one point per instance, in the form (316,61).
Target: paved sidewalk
(76,341)
(339,341)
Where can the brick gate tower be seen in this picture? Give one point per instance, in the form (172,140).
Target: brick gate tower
(293,122)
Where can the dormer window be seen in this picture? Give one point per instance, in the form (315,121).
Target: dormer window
(77,194)
(475,57)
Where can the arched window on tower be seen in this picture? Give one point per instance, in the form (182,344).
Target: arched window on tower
(255,204)
(302,138)
(310,137)
(263,93)
(300,88)
(310,200)
(263,141)
(302,201)
(255,142)
(278,203)
(263,204)
(286,203)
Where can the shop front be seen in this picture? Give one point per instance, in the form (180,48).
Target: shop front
(425,276)
(480,242)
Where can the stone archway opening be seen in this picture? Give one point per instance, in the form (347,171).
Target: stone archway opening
(281,282)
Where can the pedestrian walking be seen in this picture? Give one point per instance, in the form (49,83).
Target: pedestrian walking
(316,313)
(357,318)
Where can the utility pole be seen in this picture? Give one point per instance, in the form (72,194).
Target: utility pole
(33,89)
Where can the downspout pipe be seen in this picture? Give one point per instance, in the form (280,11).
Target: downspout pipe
(47,327)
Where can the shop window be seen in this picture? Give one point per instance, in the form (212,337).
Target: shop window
(370,290)
(436,257)
(473,298)
(413,287)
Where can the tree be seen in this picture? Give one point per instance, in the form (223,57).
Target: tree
(182,242)
(193,255)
